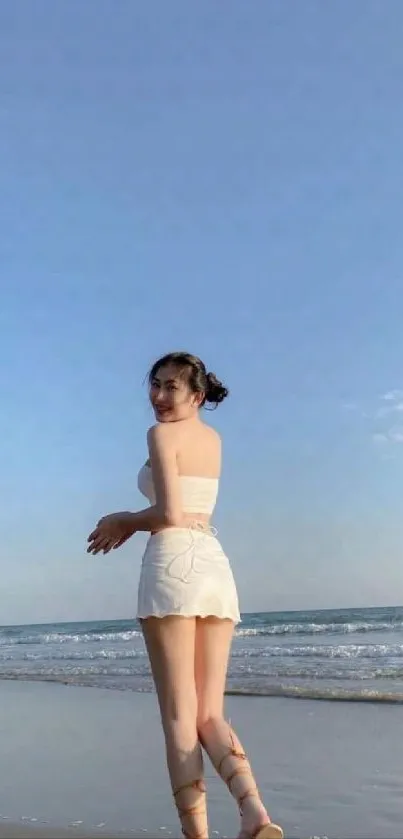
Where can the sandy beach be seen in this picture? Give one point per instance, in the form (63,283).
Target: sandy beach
(9,830)
(84,761)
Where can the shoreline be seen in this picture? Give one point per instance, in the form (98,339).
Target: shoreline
(366,696)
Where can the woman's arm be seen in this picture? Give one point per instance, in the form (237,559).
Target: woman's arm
(167,510)
(114,530)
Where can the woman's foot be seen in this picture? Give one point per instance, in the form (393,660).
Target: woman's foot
(253,817)
(255,823)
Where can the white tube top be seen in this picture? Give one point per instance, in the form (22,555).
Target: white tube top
(199,495)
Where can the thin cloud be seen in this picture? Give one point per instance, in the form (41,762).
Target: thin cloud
(396,407)
(384,416)
(392,395)
(391,436)
(391,406)
(380,439)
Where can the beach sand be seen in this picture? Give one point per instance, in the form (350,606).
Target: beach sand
(84,761)
(17,831)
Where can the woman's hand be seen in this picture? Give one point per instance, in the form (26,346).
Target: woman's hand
(111,532)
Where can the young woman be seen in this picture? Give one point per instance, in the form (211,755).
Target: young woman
(187,599)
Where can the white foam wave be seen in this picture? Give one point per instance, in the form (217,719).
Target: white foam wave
(319,628)
(47,654)
(72,638)
(328,651)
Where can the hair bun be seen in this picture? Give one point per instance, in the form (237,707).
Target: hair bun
(215,392)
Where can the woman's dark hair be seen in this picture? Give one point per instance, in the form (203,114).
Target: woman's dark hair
(197,377)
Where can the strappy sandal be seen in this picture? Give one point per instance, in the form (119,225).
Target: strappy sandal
(266,831)
(195,810)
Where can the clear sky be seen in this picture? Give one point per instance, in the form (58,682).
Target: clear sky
(225,178)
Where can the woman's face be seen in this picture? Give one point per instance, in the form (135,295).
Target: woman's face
(171,396)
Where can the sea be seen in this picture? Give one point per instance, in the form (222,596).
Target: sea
(340,655)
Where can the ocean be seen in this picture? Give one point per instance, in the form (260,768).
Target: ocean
(344,654)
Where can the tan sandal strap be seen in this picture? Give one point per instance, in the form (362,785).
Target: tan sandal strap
(241,770)
(197,785)
(251,793)
(231,753)
(197,810)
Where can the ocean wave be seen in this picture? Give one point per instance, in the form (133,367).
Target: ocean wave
(323,651)
(265,630)
(335,628)
(67,672)
(71,655)
(65,637)
(140,668)
(318,623)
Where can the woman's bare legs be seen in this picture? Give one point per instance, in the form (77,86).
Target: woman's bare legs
(213,643)
(170,645)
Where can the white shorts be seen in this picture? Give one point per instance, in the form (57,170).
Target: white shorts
(186,572)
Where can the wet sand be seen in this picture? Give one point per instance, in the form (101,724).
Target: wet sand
(17,831)
(85,761)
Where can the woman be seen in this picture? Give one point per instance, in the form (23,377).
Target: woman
(187,599)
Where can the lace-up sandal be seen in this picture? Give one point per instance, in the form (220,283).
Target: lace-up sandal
(197,809)
(264,831)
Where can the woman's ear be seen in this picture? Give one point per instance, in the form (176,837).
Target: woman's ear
(198,399)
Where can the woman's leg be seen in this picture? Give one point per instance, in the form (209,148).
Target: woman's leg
(213,643)
(170,645)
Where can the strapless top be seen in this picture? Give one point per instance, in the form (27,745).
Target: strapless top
(199,495)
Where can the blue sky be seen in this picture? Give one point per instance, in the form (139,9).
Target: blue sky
(225,178)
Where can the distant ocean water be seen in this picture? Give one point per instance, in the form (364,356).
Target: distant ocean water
(346,654)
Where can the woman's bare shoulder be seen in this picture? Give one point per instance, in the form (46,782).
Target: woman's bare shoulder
(213,434)
(210,440)
(174,433)
(161,434)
